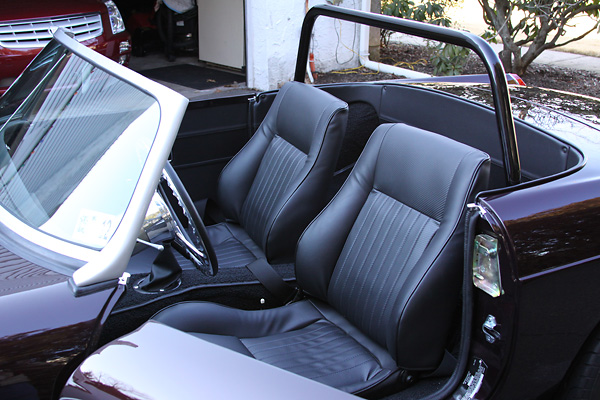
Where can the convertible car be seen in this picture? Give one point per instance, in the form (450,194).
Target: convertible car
(382,239)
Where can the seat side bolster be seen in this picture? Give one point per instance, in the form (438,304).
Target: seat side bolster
(308,193)
(321,243)
(237,176)
(216,319)
(425,320)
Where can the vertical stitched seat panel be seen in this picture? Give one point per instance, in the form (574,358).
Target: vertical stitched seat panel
(281,164)
(231,253)
(385,242)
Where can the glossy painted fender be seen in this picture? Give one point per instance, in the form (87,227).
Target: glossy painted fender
(44,327)
(162,363)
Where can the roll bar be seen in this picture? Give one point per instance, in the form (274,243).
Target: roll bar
(496,73)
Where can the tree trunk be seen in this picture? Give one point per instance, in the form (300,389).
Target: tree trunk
(506,59)
(512,62)
(520,69)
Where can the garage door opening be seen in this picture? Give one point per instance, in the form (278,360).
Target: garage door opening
(192,48)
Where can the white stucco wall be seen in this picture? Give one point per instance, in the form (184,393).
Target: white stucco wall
(335,43)
(272,36)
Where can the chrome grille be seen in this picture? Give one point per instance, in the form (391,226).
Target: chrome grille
(35,33)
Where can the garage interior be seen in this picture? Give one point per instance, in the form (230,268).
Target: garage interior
(197,50)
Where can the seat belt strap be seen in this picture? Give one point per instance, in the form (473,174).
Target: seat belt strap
(271,280)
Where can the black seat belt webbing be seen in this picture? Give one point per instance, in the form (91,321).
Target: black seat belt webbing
(271,280)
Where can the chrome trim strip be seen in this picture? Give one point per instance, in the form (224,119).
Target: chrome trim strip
(36,33)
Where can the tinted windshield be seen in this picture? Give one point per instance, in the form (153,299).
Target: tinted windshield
(74,147)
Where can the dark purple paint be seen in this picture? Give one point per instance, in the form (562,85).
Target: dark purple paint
(551,232)
(163,363)
(43,327)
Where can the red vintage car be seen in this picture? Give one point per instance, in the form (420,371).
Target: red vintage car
(26,27)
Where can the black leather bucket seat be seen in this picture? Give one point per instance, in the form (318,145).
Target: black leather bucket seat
(380,267)
(277,183)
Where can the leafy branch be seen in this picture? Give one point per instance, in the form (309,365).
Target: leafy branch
(536,25)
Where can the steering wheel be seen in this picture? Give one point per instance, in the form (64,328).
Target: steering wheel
(189,234)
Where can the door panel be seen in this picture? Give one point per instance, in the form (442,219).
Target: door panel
(211,133)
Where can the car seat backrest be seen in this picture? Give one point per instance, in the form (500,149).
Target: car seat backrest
(277,183)
(387,250)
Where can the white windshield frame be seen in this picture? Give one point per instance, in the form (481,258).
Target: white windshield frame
(110,262)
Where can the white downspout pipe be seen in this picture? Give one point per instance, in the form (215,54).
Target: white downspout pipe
(376,66)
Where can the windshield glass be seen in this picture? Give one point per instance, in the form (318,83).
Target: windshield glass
(75,140)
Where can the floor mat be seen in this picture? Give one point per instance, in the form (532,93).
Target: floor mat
(193,76)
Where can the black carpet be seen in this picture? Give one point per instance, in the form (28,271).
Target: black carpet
(193,76)
(191,279)
(233,287)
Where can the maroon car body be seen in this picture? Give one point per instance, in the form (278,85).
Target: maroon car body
(26,17)
(57,330)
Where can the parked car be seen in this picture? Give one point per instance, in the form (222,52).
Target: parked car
(113,287)
(26,27)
